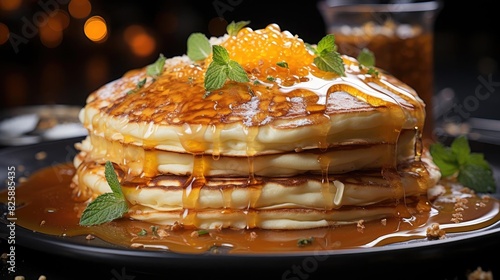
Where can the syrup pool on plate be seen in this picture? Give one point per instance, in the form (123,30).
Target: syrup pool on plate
(45,206)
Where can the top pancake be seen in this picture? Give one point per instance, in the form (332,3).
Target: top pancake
(279,110)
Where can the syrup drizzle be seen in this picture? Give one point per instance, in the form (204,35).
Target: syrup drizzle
(177,98)
(58,215)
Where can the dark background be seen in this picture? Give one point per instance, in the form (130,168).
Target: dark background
(466,44)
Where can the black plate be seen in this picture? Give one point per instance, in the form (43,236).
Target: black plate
(452,256)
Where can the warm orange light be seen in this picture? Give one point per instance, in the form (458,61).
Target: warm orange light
(95,29)
(54,24)
(79,8)
(50,38)
(10,5)
(140,42)
(4,33)
(59,20)
(132,31)
(143,45)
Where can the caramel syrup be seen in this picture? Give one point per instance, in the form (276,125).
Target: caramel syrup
(45,205)
(177,98)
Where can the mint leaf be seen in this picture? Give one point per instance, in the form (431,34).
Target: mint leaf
(326,45)
(331,62)
(154,70)
(372,71)
(215,77)
(305,241)
(283,64)
(478,159)
(327,58)
(460,147)
(477,178)
(471,169)
(221,55)
(139,85)
(104,208)
(222,68)
(112,178)
(237,73)
(198,47)
(234,27)
(445,159)
(107,206)
(366,58)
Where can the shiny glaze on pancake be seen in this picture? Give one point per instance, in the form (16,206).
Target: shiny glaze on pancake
(178,96)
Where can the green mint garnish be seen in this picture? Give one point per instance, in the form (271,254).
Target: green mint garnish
(327,58)
(234,27)
(198,47)
(372,71)
(154,70)
(283,64)
(366,58)
(203,232)
(139,85)
(271,78)
(470,169)
(305,241)
(223,68)
(107,206)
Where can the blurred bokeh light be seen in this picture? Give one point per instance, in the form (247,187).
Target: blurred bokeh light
(141,43)
(54,51)
(95,29)
(4,33)
(79,8)
(10,5)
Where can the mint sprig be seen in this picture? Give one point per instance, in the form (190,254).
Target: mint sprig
(155,69)
(139,85)
(470,169)
(107,206)
(198,47)
(366,58)
(234,27)
(223,68)
(282,64)
(327,58)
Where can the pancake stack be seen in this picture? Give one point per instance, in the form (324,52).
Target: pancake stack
(296,147)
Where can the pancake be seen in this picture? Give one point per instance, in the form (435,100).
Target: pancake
(340,159)
(355,196)
(294,147)
(305,109)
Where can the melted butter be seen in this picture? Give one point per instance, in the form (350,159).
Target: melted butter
(50,209)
